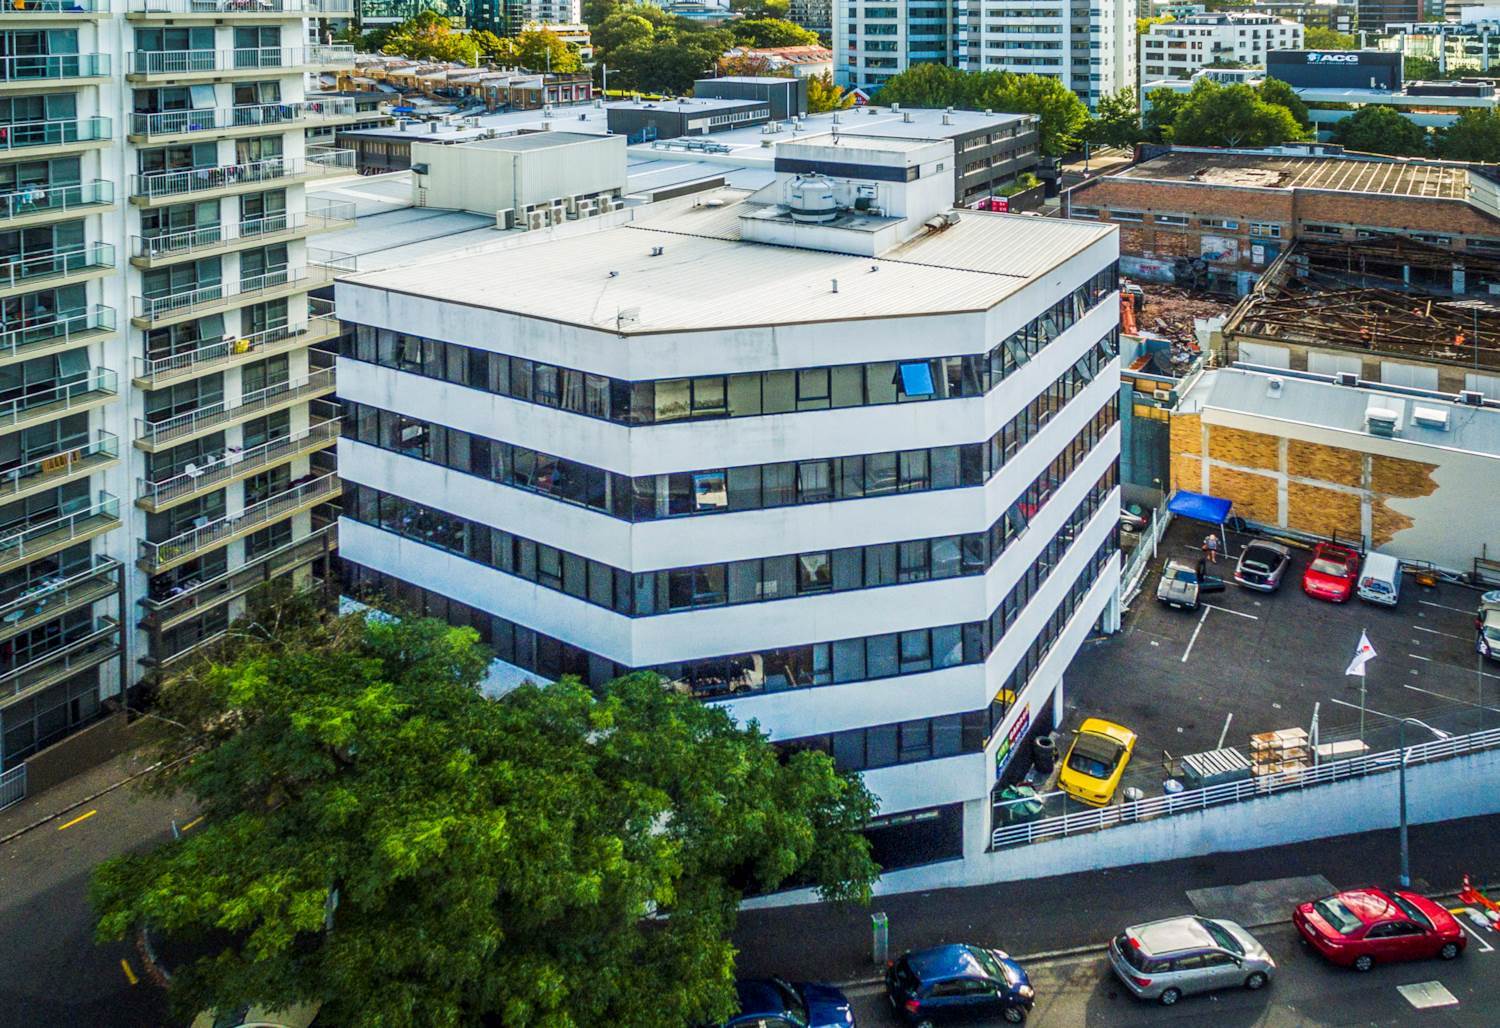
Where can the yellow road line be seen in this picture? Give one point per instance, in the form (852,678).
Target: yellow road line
(129,974)
(81,817)
(191,823)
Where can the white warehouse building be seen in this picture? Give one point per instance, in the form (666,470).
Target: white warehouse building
(830,454)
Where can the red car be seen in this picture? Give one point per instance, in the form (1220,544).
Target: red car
(1360,928)
(1332,573)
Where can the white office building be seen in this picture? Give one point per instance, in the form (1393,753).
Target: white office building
(831,454)
(1089,47)
(161,436)
(1178,49)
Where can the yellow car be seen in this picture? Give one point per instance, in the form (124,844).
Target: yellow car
(1096,760)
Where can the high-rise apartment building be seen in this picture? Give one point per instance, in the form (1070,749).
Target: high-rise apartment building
(843,461)
(1089,46)
(1177,49)
(164,419)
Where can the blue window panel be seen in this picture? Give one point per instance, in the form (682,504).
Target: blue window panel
(916,380)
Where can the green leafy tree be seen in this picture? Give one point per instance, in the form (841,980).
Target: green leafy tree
(1374,129)
(595,12)
(928,85)
(1275,91)
(1316,37)
(1062,115)
(1118,122)
(621,29)
(1143,25)
(539,50)
(1233,115)
(1163,106)
(823,94)
(1475,136)
(429,36)
(381,838)
(772,32)
(761,8)
(1416,69)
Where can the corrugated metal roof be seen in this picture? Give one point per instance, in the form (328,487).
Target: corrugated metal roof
(1003,244)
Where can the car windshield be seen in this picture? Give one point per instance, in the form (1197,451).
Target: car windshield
(1222,938)
(1094,755)
(1263,556)
(1336,914)
(1251,564)
(1182,575)
(1325,566)
(795,1008)
(1409,908)
(991,966)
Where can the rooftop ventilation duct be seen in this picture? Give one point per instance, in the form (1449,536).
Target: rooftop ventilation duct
(1431,417)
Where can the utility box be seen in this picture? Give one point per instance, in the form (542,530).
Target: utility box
(880,939)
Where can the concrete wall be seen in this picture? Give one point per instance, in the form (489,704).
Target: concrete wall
(1444,790)
(485,180)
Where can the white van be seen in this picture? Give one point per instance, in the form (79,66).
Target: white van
(1380,579)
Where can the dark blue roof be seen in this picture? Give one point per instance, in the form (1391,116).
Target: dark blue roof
(759,996)
(943,962)
(1212,509)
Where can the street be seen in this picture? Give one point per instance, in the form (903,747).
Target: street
(1306,991)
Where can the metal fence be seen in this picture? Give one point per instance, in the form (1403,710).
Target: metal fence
(12,786)
(1133,811)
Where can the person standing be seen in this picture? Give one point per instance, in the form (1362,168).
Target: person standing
(1211,547)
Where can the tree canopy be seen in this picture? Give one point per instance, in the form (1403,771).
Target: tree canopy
(1317,37)
(1233,115)
(1062,115)
(1475,136)
(1118,122)
(1275,91)
(1373,129)
(380,837)
(771,32)
(429,36)
(823,94)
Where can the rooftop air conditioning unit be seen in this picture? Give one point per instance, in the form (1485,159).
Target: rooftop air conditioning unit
(536,220)
(1431,417)
(1347,378)
(1471,397)
(1382,421)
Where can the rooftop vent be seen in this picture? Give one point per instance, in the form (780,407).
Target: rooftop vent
(811,200)
(1382,421)
(1431,417)
(1471,398)
(1273,386)
(906,117)
(1347,378)
(895,107)
(657,251)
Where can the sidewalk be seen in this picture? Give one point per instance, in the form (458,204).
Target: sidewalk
(73,791)
(831,943)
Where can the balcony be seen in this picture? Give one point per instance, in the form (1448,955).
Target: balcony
(245,120)
(59,468)
(163,187)
(42,337)
(53,597)
(49,138)
(35,205)
(52,269)
(99,643)
(219,297)
(236,10)
(229,352)
(36,12)
(253,62)
(99,387)
(47,71)
(159,435)
(48,537)
(155,558)
(235,464)
(208,240)
(192,598)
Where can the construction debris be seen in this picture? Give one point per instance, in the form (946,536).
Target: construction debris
(1170,311)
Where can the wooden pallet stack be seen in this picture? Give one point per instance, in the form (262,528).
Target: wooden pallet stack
(1272,753)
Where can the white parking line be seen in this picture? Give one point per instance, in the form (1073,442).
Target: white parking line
(1187,652)
(1454,667)
(1236,613)
(1484,947)
(1434,631)
(1444,606)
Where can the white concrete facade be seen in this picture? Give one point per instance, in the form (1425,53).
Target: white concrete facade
(1178,49)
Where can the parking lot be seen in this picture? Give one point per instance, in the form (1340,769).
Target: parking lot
(1249,662)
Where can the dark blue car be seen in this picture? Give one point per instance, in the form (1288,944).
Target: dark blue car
(777,1003)
(955,984)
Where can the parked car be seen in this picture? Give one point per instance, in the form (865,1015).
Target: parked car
(1096,760)
(1360,928)
(1487,625)
(1332,573)
(778,1003)
(1261,566)
(1380,579)
(1183,584)
(1167,960)
(958,983)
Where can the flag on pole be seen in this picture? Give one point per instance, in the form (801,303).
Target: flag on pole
(1363,654)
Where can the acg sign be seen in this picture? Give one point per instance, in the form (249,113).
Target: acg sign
(1322,58)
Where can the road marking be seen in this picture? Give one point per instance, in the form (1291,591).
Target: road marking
(1452,667)
(1225,733)
(1434,631)
(1236,613)
(191,823)
(129,974)
(81,817)
(1461,916)
(1444,606)
(1427,995)
(1450,699)
(1415,656)
(1187,652)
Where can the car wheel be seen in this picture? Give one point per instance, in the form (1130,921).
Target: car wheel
(1015,1015)
(1364,962)
(1449,951)
(1256,981)
(1170,997)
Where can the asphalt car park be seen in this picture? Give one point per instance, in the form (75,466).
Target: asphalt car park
(1247,662)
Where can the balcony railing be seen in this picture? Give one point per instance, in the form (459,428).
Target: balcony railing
(40,67)
(23,134)
(98,383)
(333,215)
(205,418)
(232,464)
(318,8)
(22,270)
(159,308)
(187,598)
(51,596)
(320,323)
(17,547)
(14,481)
(56,7)
(55,331)
(101,642)
(187,62)
(220,119)
(155,556)
(45,199)
(194,180)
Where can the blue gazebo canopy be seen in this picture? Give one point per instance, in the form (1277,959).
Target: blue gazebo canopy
(1212,509)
